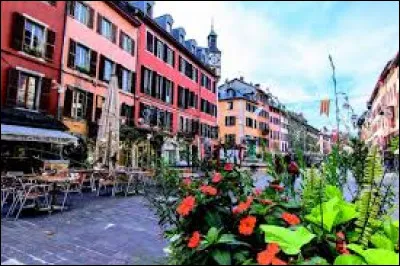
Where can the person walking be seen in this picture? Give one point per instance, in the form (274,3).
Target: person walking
(293,172)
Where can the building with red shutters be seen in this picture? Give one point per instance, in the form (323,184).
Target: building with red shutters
(176,87)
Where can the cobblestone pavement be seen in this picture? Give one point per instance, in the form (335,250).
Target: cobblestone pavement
(97,230)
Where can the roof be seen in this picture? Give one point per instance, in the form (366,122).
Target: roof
(117,6)
(393,63)
(169,37)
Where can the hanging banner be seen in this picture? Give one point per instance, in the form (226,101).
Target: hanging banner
(325,104)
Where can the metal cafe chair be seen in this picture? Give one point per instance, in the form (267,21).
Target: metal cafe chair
(29,195)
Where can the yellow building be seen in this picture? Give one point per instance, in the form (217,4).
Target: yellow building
(243,113)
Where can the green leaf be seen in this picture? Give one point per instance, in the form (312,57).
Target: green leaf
(381,241)
(330,212)
(213,219)
(231,240)
(392,230)
(333,192)
(212,235)
(241,256)
(347,212)
(290,241)
(222,257)
(375,256)
(315,261)
(349,260)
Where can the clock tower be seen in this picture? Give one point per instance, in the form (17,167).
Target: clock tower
(214,54)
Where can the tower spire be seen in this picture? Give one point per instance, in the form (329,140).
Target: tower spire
(212,32)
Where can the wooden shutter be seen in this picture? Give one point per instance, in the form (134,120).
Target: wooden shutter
(91,17)
(150,42)
(173,59)
(121,35)
(51,38)
(172,93)
(89,106)
(114,33)
(93,63)
(45,94)
(142,79)
(186,98)
(99,20)
(165,56)
(71,54)
(119,75)
(18,29)
(154,84)
(196,101)
(71,8)
(155,44)
(12,87)
(133,47)
(68,102)
(101,68)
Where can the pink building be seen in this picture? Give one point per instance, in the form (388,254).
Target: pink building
(98,38)
(274,129)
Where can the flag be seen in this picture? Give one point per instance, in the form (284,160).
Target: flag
(325,107)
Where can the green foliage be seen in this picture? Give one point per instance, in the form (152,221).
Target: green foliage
(394,144)
(381,241)
(374,256)
(370,199)
(313,187)
(290,241)
(349,260)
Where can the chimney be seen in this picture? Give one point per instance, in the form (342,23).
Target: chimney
(257,85)
(241,78)
(226,81)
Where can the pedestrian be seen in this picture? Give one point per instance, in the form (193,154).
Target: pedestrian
(293,172)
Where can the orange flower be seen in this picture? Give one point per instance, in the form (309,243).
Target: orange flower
(266,201)
(277,187)
(228,167)
(247,225)
(217,177)
(186,206)
(267,256)
(187,182)
(209,190)
(243,206)
(291,219)
(194,241)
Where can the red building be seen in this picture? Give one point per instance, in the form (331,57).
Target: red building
(31,44)
(176,85)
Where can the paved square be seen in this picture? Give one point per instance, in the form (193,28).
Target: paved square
(96,230)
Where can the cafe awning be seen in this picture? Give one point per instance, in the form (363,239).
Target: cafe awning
(20,133)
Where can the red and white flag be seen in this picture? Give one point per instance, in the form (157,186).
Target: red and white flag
(325,107)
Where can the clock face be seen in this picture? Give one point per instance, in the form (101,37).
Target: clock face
(214,59)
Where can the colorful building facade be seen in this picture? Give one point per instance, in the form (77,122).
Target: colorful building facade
(99,38)
(31,46)
(381,123)
(176,86)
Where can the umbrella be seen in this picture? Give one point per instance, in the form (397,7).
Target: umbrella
(107,144)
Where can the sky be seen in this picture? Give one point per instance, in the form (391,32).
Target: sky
(284,46)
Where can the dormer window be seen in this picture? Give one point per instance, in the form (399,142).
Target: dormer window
(149,9)
(193,49)
(168,27)
(181,38)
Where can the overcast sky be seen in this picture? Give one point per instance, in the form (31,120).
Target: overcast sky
(285,46)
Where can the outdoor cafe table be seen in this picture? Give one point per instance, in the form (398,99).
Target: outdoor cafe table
(54,181)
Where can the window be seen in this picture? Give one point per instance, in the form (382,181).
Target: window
(181,38)
(230,105)
(34,38)
(27,91)
(127,44)
(106,28)
(150,42)
(148,80)
(170,57)
(159,49)
(108,69)
(126,80)
(81,13)
(82,58)
(230,138)
(149,10)
(78,102)
(249,122)
(53,3)
(230,120)
(168,27)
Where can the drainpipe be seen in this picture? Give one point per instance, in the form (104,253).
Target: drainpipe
(60,90)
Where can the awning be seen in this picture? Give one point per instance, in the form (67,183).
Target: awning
(20,133)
